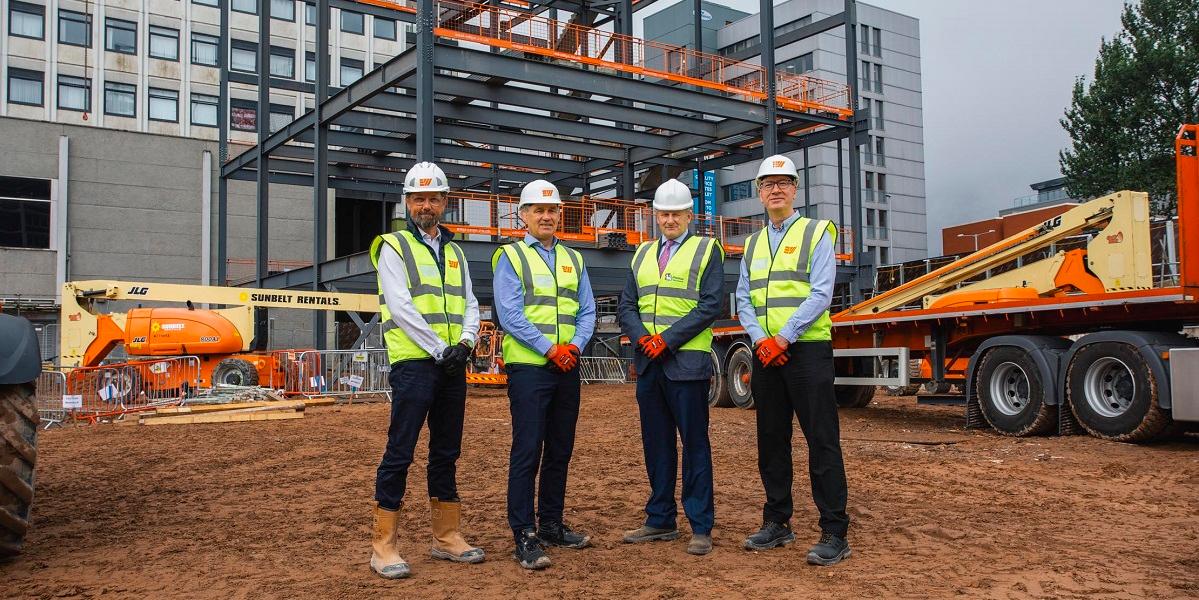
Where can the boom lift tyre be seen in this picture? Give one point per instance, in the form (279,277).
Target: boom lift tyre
(235,371)
(1114,393)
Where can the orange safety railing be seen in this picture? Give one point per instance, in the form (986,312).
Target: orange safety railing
(500,27)
(583,219)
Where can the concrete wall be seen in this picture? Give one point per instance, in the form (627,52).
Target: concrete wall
(135,212)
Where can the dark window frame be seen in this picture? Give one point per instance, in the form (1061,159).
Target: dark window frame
(244,46)
(205,100)
(110,86)
(27,75)
(160,32)
(70,16)
(283,52)
(394,29)
(86,86)
(29,9)
(150,95)
(351,14)
(113,24)
(207,39)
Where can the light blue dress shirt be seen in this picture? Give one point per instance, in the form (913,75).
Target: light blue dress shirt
(822,278)
(510,302)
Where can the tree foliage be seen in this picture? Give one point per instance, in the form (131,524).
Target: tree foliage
(1122,124)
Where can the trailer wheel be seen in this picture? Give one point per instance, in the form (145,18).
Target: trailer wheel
(18,456)
(854,396)
(235,371)
(1113,393)
(1012,395)
(737,375)
(718,390)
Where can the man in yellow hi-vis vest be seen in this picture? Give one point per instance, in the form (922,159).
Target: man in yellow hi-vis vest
(544,303)
(430,320)
(783,295)
(671,298)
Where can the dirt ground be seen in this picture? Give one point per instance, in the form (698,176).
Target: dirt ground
(281,510)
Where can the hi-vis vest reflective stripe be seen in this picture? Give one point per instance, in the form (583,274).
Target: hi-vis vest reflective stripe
(551,299)
(441,300)
(778,281)
(664,299)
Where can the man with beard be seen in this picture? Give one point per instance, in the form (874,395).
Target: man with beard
(430,322)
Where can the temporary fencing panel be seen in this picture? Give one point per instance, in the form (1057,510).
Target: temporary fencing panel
(340,372)
(113,390)
(50,399)
(602,369)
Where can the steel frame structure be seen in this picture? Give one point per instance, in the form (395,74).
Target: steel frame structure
(494,120)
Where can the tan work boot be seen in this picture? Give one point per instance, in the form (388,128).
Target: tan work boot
(448,542)
(385,558)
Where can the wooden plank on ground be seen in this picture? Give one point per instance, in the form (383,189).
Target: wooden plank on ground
(205,408)
(223,418)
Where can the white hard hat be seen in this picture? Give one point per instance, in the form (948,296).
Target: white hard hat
(673,195)
(539,191)
(425,177)
(777,165)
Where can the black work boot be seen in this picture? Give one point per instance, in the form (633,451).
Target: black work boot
(770,536)
(830,550)
(556,533)
(529,552)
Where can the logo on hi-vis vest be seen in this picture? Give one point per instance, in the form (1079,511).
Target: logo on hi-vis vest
(789,250)
(426,181)
(567,268)
(778,164)
(667,277)
(453,264)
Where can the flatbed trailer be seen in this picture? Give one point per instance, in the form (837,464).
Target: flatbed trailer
(1081,340)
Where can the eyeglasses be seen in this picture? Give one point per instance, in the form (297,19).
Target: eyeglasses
(770,186)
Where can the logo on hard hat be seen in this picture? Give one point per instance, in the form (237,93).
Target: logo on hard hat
(547,193)
(778,164)
(426,181)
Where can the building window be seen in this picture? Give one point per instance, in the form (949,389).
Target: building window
(310,67)
(205,49)
(206,2)
(243,115)
(164,43)
(793,25)
(164,105)
(283,62)
(281,116)
(74,29)
(246,6)
(120,99)
(868,189)
(797,65)
(120,36)
(310,14)
(27,20)
(738,46)
(878,114)
(878,42)
(884,256)
(385,29)
(24,212)
(868,150)
(204,110)
(284,10)
(880,155)
(878,78)
(738,191)
(351,71)
(25,86)
(74,93)
(351,22)
(243,56)
(864,37)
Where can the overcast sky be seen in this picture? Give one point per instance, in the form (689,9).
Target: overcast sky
(997,76)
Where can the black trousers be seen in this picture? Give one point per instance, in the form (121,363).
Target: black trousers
(545,408)
(421,391)
(803,387)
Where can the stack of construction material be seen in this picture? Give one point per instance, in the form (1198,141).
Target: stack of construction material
(265,410)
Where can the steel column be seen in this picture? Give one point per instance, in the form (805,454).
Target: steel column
(424,79)
(770,129)
(320,166)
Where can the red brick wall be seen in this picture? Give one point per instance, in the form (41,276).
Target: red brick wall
(1003,227)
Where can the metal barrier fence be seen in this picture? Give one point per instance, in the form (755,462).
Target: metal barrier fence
(334,372)
(113,390)
(598,369)
(51,387)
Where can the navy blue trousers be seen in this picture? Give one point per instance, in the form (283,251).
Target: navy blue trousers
(545,408)
(668,407)
(420,392)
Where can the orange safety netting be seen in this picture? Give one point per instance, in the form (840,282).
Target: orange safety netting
(516,30)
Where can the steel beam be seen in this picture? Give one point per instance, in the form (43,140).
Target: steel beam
(320,162)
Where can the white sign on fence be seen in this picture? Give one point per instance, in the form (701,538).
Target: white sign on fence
(72,401)
(360,357)
(355,381)
(318,381)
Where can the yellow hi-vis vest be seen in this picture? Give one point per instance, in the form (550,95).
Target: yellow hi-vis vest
(779,280)
(551,299)
(663,299)
(440,299)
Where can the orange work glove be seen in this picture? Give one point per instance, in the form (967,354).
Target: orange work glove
(562,357)
(653,346)
(770,354)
